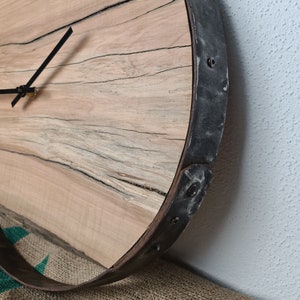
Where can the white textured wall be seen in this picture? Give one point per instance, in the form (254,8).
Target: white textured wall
(247,233)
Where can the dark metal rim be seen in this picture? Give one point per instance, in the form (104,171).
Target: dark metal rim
(208,111)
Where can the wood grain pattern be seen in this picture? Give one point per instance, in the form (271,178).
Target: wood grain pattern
(92,156)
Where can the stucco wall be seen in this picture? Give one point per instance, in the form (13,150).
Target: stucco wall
(247,233)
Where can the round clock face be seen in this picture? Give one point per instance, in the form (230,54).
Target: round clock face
(91,157)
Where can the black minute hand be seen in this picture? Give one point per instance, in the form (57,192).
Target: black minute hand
(42,67)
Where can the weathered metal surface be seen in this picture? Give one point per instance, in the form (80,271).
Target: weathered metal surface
(209,101)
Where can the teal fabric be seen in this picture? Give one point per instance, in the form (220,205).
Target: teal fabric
(42,265)
(7,283)
(15,234)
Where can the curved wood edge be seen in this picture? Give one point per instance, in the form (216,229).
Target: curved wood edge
(193,175)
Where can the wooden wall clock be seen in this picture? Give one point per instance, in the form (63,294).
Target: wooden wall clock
(112,156)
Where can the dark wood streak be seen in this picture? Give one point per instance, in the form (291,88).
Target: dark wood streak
(115,79)
(144,187)
(70,24)
(148,12)
(142,132)
(170,69)
(46,234)
(106,56)
(133,77)
(118,4)
(124,54)
(53,118)
(110,158)
(137,148)
(87,175)
(100,126)
(174,139)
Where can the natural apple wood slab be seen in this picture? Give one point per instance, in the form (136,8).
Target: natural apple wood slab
(92,157)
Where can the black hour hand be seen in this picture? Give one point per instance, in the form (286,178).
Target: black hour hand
(19,90)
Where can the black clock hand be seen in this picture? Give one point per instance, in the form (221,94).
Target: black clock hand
(17,90)
(42,67)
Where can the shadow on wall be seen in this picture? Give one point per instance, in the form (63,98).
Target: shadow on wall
(198,239)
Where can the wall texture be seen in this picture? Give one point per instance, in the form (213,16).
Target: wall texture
(247,233)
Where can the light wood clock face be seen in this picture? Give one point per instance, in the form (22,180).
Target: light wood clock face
(91,158)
